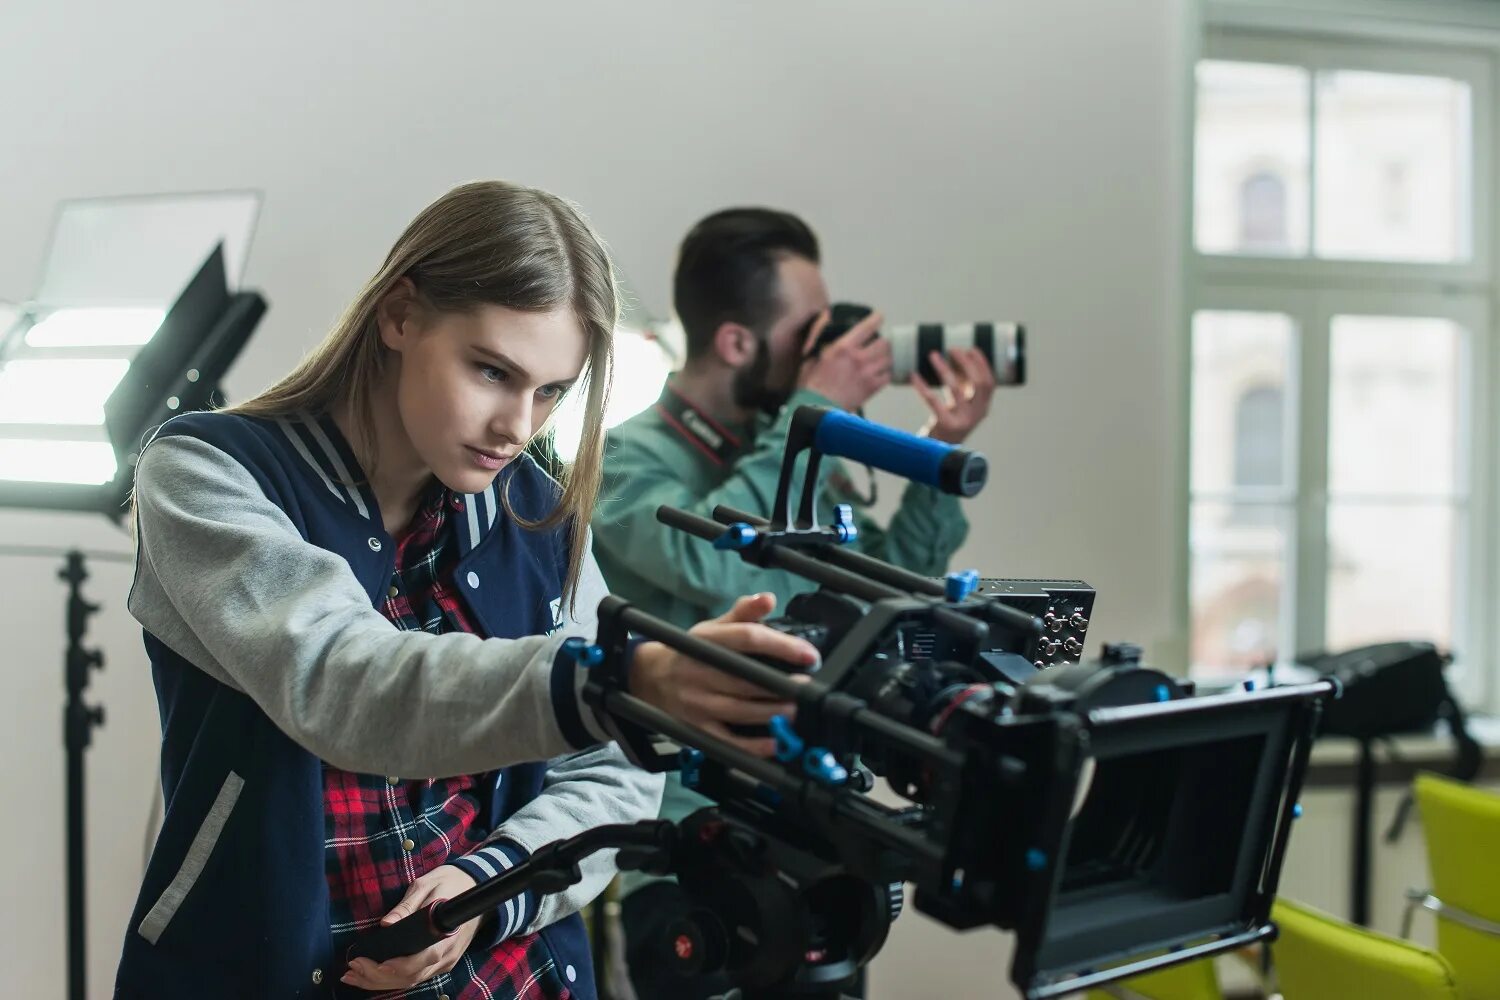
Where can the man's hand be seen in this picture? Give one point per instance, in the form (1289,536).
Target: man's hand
(443,882)
(852,368)
(708,697)
(965,399)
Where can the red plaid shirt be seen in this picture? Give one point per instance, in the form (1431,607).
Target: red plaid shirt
(382,833)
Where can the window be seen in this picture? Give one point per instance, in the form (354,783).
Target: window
(1394,498)
(1251,147)
(1242,486)
(1258,437)
(1263,224)
(1340,164)
(1339,346)
(1392,171)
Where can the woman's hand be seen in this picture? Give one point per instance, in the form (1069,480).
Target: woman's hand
(710,698)
(443,882)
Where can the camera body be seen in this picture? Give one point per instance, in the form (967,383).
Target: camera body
(912,344)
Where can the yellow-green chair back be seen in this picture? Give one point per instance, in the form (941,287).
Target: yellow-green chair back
(1461,824)
(1189,981)
(1320,957)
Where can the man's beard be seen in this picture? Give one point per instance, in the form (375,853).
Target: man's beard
(752,390)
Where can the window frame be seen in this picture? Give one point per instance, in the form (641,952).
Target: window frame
(1311,291)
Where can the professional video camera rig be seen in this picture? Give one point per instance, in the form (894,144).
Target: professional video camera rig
(1113,820)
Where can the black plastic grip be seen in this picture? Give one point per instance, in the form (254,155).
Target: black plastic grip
(406,936)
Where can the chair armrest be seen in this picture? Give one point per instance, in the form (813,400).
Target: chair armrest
(1445,911)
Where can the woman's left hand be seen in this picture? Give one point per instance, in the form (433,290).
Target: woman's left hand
(443,882)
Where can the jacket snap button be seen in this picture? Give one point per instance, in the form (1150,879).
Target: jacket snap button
(374,544)
(317,977)
(473,579)
(571,973)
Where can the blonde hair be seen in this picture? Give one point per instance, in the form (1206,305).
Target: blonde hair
(485,243)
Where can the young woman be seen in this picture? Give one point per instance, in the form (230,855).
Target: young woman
(354,589)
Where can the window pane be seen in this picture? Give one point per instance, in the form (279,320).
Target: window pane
(1390,573)
(1392,166)
(1241,362)
(1239,555)
(1393,406)
(1250,162)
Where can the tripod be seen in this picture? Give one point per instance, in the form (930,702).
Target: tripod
(79,720)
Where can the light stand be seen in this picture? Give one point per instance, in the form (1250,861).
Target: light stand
(79,720)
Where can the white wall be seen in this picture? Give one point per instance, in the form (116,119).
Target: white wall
(975,160)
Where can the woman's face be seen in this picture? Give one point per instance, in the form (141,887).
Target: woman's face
(473,388)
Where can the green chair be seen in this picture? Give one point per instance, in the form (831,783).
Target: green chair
(1320,957)
(1462,828)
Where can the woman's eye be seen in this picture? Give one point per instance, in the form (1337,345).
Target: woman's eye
(492,374)
(550,391)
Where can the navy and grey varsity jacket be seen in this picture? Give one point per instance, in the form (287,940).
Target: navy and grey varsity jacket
(261,560)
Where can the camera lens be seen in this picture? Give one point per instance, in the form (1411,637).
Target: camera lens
(1002,344)
(912,344)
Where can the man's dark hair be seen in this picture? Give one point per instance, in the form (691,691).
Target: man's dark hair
(726,271)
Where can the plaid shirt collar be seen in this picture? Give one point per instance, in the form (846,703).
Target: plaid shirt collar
(420,597)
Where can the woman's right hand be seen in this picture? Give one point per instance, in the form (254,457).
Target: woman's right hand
(708,697)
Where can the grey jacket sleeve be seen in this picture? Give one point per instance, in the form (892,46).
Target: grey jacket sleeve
(579,792)
(225,580)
